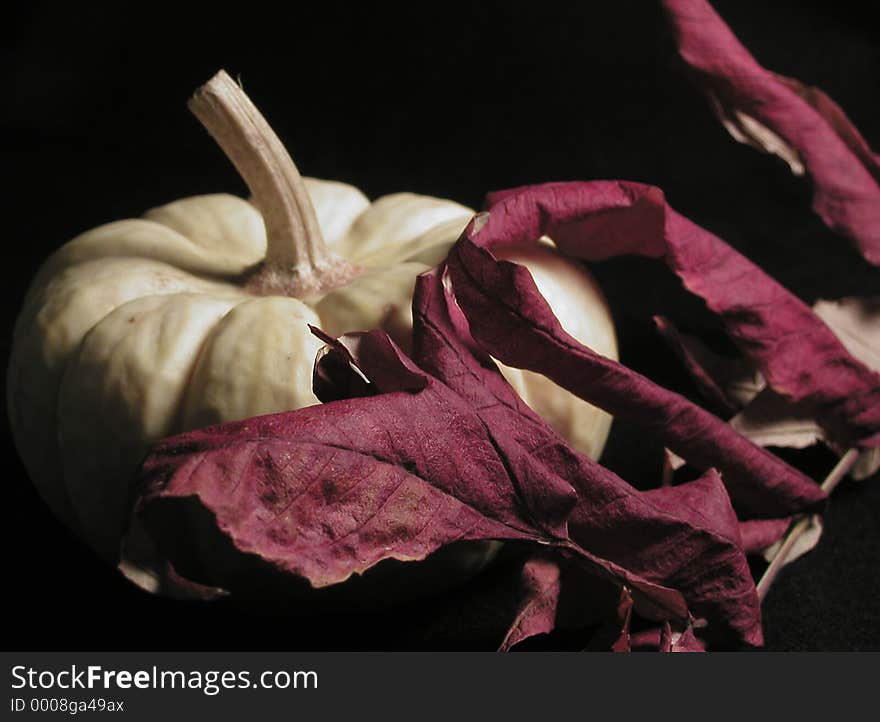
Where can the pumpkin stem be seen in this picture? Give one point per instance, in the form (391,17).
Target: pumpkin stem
(298,262)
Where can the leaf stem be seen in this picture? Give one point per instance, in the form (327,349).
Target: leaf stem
(835,476)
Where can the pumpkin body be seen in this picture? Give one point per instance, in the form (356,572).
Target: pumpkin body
(144,328)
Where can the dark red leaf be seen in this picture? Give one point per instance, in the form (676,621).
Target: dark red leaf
(541,585)
(797,353)
(510,318)
(686,535)
(782,116)
(556,593)
(835,116)
(329,491)
(769,419)
(700,533)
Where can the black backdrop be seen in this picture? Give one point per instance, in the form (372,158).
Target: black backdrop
(450,101)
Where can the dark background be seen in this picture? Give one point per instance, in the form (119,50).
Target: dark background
(446,100)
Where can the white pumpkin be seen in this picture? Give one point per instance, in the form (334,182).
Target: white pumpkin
(199,313)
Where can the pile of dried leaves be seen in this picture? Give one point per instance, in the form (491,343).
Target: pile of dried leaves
(410,454)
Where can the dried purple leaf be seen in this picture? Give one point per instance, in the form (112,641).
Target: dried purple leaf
(779,115)
(772,420)
(596,220)
(328,492)
(686,534)
(555,593)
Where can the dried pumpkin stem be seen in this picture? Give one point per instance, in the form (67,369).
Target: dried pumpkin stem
(835,476)
(297,260)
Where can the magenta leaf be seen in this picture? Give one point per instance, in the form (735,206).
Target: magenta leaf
(835,116)
(556,593)
(800,356)
(700,551)
(510,318)
(541,583)
(328,492)
(766,417)
(687,533)
(781,115)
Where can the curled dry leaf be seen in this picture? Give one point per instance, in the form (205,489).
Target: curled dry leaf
(779,115)
(775,330)
(835,116)
(328,492)
(856,321)
(768,418)
(556,593)
(686,535)
(601,219)
(771,420)
(800,357)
